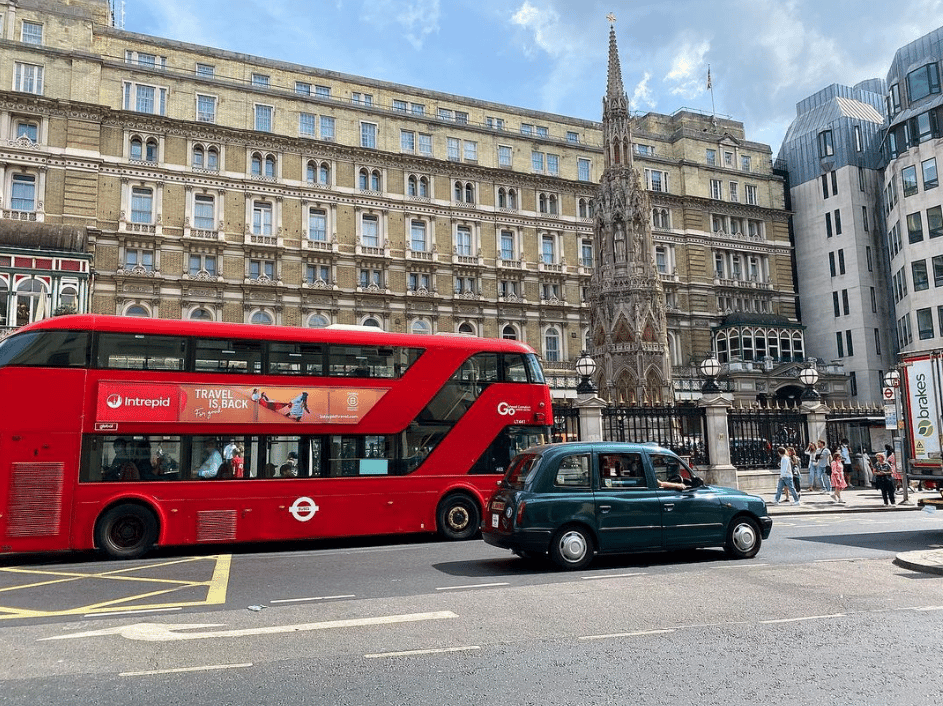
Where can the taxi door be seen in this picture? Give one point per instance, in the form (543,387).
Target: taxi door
(692,517)
(628,506)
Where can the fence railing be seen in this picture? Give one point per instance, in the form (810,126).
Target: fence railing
(683,429)
(755,433)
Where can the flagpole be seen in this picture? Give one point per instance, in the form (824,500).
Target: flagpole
(710,87)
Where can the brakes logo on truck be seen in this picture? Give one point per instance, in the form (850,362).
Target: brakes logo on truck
(923,409)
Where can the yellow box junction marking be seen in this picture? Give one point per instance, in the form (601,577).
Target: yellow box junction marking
(215,587)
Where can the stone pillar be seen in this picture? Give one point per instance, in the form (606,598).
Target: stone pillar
(590,408)
(815,416)
(721,471)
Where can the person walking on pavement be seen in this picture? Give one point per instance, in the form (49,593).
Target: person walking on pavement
(845,452)
(895,471)
(823,457)
(813,466)
(882,476)
(838,477)
(796,465)
(785,477)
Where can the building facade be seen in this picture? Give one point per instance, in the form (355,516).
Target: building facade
(912,201)
(220,186)
(832,154)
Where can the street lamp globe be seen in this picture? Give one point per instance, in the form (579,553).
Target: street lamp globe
(809,376)
(710,369)
(585,367)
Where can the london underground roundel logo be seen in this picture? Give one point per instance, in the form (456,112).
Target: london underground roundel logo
(113,401)
(303,509)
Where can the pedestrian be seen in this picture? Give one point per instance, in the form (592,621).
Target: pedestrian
(785,478)
(796,464)
(882,476)
(845,451)
(895,471)
(813,466)
(866,475)
(838,477)
(823,458)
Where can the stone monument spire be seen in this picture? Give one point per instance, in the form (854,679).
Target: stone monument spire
(628,326)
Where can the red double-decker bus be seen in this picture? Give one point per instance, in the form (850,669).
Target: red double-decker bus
(124,433)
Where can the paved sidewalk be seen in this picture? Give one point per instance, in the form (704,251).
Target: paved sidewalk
(864,500)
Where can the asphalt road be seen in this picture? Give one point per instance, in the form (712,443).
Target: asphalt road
(821,615)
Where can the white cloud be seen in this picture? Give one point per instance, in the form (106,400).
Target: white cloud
(418,18)
(687,76)
(642,96)
(543,25)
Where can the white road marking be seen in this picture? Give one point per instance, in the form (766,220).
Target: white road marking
(797,620)
(929,608)
(628,634)
(155,632)
(472,585)
(207,668)
(610,576)
(130,612)
(738,566)
(312,598)
(412,653)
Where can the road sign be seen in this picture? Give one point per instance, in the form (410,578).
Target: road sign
(890,393)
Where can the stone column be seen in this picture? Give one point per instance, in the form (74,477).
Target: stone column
(815,416)
(721,471)
(590,408)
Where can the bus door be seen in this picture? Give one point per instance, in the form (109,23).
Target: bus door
(36,489)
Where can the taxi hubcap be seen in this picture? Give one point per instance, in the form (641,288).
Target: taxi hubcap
(573,546)
(744,537)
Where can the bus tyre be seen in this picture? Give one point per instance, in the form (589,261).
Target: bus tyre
(743,538)
(458,518)
(126,531)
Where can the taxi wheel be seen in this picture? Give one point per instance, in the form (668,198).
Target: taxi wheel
(126,531)
(743,538)
(458,518)
(572,547)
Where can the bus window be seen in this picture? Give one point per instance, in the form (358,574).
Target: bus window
(227,356)
(135,351)
(515,370)
(362,455)
(419,440)
(46,349)
(370,361)
(509,442)
(534,371)
(130,457)
(287,358)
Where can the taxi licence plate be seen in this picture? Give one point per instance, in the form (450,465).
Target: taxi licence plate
(495,519)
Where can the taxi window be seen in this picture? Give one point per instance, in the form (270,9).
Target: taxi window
(573,472)
(670,468)
(622,470)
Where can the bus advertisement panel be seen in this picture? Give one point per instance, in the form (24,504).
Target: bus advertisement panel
(161,432)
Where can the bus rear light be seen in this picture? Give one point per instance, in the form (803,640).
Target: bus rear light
(539,416)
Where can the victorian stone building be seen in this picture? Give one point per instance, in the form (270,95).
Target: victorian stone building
(220,186)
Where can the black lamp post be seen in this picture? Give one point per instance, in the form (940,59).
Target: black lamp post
(710,369)
(585,367)
(808,377)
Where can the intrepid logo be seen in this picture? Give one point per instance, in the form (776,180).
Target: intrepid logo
(113,401)
(152,402)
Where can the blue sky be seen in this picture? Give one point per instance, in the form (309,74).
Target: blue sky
(551,55)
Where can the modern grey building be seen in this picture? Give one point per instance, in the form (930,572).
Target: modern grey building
(832,154)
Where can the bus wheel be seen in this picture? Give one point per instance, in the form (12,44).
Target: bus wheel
(458,517)
(126,531)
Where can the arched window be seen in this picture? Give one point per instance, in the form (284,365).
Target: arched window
(137,310)
(137,148)
(270,166)
(199,157)
(412,186)
(502,198)
(466,327)
(256,164)
(212,159)
(150,151)
(364,179)
(262,318)
(512,198)
(201,314)
(423,187)
(542,203)
(509,333)
(458,191)
(32,301)
(469,193)
(317,321)
(324,173)
(552,345)
(552,205)
(375,182)
(311,173)
(420,327)
(69,298)
(371,321)
(584,208)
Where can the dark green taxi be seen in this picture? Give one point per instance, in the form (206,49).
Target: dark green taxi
(575,500)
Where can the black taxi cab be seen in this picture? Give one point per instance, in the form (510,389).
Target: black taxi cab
(574,500)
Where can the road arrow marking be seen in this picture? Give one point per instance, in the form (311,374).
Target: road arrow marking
(156,632)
